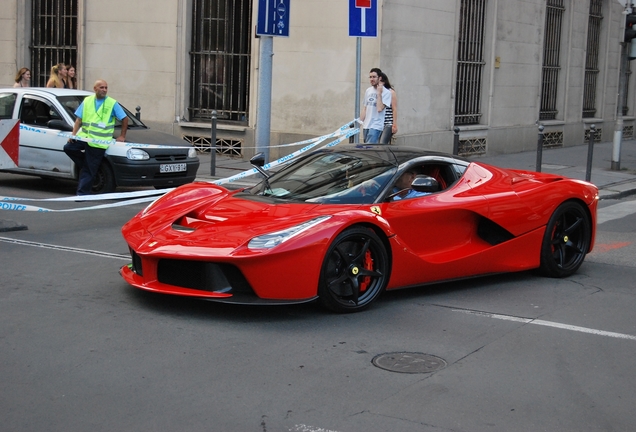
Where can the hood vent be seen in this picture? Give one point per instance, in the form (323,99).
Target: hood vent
(189,224)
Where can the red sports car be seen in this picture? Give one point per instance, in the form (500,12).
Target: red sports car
(343,224)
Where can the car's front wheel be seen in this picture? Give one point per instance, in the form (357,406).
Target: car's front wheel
(566,240)
(104,181)
(354,272)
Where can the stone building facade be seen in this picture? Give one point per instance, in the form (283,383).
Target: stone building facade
(494,68)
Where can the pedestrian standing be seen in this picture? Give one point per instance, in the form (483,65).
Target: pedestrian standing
(71,78)
(95,121)
(376,99)
(23,78)
(58,76)
(390,115)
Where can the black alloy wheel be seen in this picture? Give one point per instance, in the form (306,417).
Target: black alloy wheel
(566,240)
(355,271)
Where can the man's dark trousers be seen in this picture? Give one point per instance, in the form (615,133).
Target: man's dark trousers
(87,158)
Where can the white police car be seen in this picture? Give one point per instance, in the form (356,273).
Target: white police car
(43,112)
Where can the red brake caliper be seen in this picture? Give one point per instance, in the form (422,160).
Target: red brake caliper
(368,264)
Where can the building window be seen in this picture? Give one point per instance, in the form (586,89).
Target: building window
(551,59)
(591,58)
(53,37)
(220,60)
(470,62)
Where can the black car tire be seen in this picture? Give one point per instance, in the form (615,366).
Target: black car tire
(566,240)
(104,181)
(355,271)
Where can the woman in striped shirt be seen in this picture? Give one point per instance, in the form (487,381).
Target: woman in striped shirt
(390,114)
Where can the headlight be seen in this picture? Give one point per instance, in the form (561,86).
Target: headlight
(192,153)
(271,240)
(137,154)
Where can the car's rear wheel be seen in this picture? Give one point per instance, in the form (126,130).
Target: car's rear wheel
(566,240)
(104,181)
(354,272)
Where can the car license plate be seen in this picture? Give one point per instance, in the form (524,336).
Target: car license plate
(169,168)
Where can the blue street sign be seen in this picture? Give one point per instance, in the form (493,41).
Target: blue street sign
(363,18)
(273,18)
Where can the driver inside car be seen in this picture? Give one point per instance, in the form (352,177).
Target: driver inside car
(402,188)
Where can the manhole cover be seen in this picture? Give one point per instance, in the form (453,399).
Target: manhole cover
(408,362)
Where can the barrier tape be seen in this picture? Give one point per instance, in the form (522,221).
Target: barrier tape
(23,207)
(91,140)
(136,197)
(100,197)
(286,159)
(142,145)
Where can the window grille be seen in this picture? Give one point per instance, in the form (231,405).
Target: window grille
(470,62)
(472,146)
(591,58)
(551,59)
(628,132)
(227,147)
(598,135)
(53,37)
(220,60)
(553,139)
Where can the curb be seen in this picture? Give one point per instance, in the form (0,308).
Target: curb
(618,190)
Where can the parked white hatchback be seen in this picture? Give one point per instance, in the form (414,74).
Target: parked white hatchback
(43,112)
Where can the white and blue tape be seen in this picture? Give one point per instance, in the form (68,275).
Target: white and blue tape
(135,197)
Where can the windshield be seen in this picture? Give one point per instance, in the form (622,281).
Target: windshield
(70,104)
(334,177)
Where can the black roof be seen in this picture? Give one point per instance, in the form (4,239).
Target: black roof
(395,154)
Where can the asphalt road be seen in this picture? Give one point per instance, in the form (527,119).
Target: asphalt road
(81,350)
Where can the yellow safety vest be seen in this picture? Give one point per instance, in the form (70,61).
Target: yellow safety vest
(100,124)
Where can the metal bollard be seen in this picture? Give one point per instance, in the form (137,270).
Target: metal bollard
(590,153)
(138,113)
(540,148)
(456,141)
(213,145)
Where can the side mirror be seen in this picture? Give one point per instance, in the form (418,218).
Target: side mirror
(423,183)
(59,125)
(258,160)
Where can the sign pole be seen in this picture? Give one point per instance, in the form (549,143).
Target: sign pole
(618,127)
(361,25)
(273,20)
(264,106)
(356,137)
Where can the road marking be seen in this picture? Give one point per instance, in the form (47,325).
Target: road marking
(615,211)
(548,324)
(305,428)
(65,248)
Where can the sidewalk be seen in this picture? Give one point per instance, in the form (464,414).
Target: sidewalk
(565,161)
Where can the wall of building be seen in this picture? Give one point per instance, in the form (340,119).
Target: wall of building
(8,44)
(141,49)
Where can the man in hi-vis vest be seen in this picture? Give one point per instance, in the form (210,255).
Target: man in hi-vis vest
(96,121)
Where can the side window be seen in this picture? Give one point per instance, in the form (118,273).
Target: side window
(36,112)
(459,170)
(440,172)
(7,102)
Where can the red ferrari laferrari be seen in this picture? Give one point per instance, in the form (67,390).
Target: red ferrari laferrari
(343,224)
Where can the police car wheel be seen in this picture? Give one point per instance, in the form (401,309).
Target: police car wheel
(104,179)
